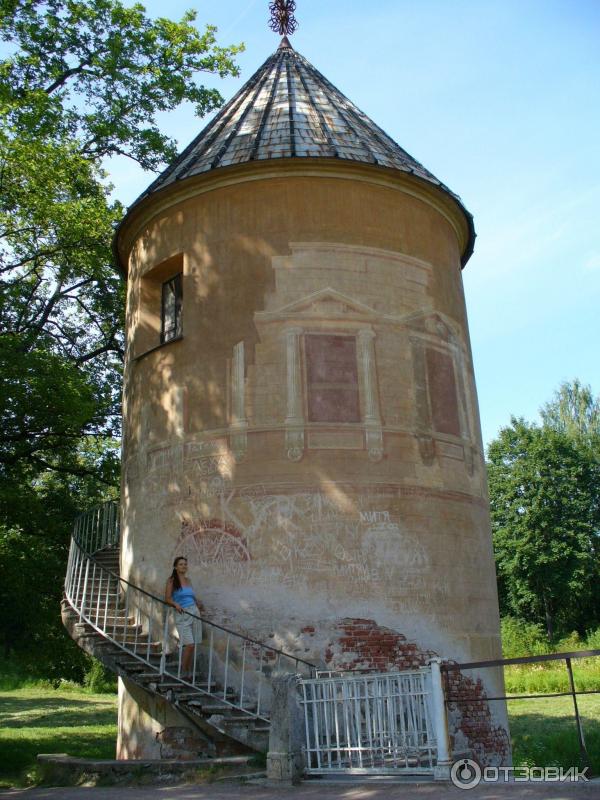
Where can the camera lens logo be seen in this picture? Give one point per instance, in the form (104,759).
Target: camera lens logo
(465,773)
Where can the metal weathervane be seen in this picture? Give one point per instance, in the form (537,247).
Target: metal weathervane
(282,19)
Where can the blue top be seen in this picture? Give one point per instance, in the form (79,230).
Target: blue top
(184,597)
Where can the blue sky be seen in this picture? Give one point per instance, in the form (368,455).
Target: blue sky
(501,101)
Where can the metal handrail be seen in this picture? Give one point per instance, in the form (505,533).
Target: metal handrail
(131,617)
(507,662)
(212,624)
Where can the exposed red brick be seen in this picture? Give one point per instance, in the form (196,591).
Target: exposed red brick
(365,645)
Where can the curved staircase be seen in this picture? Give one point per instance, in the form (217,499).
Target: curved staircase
(131,631)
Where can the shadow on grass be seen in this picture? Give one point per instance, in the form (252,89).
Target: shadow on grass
(34,723)
(19,754)
(16,712)
(545,740)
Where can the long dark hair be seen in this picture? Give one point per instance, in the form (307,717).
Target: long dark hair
(175,575)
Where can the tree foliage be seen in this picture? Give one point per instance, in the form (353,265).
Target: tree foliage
(82,81)
(574,411)
(97,73)
(545,502)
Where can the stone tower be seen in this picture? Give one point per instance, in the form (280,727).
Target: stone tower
(300,410)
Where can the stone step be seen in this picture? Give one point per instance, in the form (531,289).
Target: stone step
(210,706)
(111,621)
(122,637)
(215,695)
(140,647)
(127,662)
(149,676)
(117,625)
(172,682)
(240,717)
(184,694)
(134,665)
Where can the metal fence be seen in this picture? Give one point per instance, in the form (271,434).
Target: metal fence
(370,723)
(567,658)
(234,669)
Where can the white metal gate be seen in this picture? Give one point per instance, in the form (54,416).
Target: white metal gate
(370,723)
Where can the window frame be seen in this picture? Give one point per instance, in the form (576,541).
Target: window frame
(175,331)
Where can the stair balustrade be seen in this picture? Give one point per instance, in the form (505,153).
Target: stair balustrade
(230,672)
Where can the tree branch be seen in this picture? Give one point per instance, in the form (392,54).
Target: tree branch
(62,79)
(110,346)
(80,471)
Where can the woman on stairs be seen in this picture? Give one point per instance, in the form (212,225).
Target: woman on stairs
(180,594)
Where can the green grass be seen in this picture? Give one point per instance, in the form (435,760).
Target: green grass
(544,734)
(552,676)
(36,719)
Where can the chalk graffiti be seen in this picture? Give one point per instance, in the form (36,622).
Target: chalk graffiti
(212,542)
(211,465)
(374,516)
(295,536)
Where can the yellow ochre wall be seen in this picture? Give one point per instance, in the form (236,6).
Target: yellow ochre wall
(317,538)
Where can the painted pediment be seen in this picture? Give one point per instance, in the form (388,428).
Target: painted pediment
(325,304)
(434,324)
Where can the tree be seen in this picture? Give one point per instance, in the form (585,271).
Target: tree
(545,504)
(574,411)
(84,80)
(33,554)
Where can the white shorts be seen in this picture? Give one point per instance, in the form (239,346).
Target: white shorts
(189,629)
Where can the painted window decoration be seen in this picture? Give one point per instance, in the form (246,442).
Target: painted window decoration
(332,378)
(172,298)
(442,392)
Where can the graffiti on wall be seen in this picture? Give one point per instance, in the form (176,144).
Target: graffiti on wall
(212,542)
(289,535)
(292,537)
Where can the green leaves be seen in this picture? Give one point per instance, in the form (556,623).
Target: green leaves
(100,72)
(81,81)
(545,502)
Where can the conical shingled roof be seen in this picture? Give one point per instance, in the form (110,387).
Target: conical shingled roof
(288,109)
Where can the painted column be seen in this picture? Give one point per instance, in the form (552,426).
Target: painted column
(372,419)
(294,421)
(239,423)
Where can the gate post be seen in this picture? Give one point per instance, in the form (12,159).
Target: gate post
(285,759)
(441,771)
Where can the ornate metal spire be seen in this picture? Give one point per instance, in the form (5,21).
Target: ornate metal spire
(282,19)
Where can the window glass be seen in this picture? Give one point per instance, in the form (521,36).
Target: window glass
(332,378)
(171,309)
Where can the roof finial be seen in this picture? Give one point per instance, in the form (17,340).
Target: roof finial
(282,19)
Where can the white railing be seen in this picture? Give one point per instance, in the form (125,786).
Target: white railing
(227,666)
(380,723)
(98,528)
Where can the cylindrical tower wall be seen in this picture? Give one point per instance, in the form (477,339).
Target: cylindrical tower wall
(311,441)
